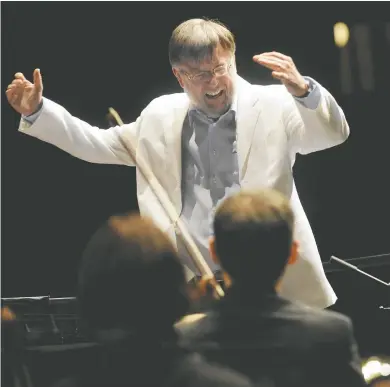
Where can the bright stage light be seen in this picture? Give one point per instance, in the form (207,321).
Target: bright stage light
(341,34)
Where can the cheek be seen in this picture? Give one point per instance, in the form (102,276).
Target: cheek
(229,83)
(230,86)
(195,92)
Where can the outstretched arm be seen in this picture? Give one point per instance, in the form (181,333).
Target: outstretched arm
(50,122)
(57,126)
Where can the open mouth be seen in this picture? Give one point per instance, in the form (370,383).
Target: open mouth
(215,95)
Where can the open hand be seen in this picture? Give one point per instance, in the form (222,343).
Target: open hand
(23,95)
(283,68)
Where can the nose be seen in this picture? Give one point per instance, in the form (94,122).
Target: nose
(213,80)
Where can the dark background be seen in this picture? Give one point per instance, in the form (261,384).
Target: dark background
(96,55)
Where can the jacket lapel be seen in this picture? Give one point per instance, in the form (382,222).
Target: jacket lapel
(248,112)
(173,126)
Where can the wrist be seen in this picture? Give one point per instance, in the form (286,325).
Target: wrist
(38,108)
(305,90)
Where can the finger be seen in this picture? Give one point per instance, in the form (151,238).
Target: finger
(258,58)
(281,63)
(15,89)
(271,64)
(9,93)
(264,55)
(38,80)
(280,56)
(27,84)
(17,82)
(277,55)
(20,76)
(272,58)
(280,75)
(12,96)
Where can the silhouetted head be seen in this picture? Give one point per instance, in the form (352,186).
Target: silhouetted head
(253,238)
(131,278)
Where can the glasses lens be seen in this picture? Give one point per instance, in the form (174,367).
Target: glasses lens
(221,70)
(202,77)
(206,75)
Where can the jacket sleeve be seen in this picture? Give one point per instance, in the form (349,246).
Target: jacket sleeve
(55,125)
(314,128)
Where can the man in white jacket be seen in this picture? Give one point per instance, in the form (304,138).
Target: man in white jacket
(220,135)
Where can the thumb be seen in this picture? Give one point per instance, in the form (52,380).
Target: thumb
(38,80)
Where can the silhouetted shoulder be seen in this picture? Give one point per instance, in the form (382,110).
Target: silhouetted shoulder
(194,371)
(299,325)
(318,321)
(259,339)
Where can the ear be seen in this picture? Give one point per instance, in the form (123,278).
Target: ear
(178,76)
(213,253)
(291,260)
(234,63)
(293,253)
(214,257)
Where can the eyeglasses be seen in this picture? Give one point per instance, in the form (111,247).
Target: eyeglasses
(205,76)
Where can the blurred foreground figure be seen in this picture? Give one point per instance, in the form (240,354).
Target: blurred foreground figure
(132,290)
(14,372)
(253,329)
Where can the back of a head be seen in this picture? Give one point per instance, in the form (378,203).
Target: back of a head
(131,277)
(253,236)
(196,39)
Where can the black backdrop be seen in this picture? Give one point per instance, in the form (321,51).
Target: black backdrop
(95,55)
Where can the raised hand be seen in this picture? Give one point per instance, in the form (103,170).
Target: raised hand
(23,95)
(283,68)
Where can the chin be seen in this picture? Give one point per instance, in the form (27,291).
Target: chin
(214,113)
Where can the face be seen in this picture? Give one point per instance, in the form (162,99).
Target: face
(211,92)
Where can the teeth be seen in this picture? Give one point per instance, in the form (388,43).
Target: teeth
(213,94)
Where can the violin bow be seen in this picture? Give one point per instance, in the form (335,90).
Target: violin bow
(161,195)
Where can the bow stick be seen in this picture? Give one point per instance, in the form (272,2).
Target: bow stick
(170,210)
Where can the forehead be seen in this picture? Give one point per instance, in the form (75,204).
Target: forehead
(220,56)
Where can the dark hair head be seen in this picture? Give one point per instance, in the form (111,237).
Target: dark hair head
(253,236)
(131,277)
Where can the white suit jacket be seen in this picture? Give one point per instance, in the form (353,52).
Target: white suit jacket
(271,128)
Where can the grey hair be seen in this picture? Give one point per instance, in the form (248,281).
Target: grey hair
(196,39)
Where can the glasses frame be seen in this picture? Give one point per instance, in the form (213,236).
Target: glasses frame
(195,78)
